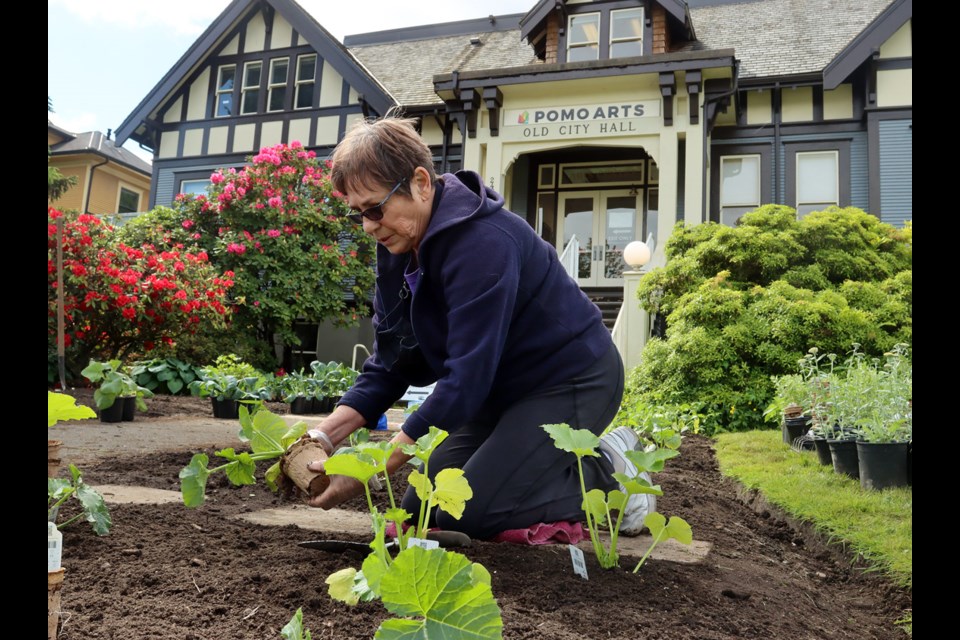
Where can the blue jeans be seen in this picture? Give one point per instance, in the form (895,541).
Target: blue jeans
(518,476)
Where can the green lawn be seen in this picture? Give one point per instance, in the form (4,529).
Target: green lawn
(877,524)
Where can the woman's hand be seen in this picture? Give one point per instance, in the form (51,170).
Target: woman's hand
(340,489)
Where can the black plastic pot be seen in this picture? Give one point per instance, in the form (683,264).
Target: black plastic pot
(843,454)
(300,405)
(793,428)
(113,413)
(823,451)
(129,407)
(910,463)
(226,409)
(882,464)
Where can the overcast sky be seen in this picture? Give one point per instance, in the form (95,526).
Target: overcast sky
(104,56)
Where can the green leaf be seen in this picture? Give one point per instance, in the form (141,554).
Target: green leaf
(679,530)
(581,442)
(60,406)
(421,485)
(425,444)
(174,385)
(452,492)
(373,568)
(440,588)
(340,586)
(595,504)
(349,464)
(656,523)
(294,630)
(268,432)
(193,480)
(94,509)
(241,469)
(637,485)
(651,461)
(271,475)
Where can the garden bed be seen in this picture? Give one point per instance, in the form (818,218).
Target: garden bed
(166,572)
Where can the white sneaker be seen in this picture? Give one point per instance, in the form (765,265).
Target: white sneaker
(613,445)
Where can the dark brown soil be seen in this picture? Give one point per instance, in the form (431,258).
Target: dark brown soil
(166,572)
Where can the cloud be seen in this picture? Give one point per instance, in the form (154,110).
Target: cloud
(183,17)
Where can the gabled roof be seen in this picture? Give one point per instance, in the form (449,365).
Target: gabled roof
(466,45)
(868,41)
(319,38)
(532,20)
(96,143)
(784,37)
(63,133)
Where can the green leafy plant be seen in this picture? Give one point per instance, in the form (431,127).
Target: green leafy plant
(269,438)
(164,375)
(661,530)
(598,507)
(294,630)
(439,593)
(114,383)
(92,506)
(61,406)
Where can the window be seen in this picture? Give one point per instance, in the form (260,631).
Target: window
(546,176)
(129,201)
(650,224)
(739,187)
(626,33)
(194,186)
(613,173)
(277,91)
(250,91)
(584,37)
(225,80)
(306,80)
(817,181)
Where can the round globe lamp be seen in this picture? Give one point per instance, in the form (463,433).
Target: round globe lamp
(636,254)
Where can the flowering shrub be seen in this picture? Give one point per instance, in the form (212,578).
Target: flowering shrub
(121,299)
(278,225)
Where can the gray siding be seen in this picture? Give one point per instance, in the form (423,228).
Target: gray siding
(859,172)
(896,171)
(167,180)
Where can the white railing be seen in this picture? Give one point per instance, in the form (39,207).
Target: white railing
(570,257)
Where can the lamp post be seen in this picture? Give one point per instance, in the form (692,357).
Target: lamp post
(632,335)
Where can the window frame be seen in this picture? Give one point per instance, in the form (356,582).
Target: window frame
(298,83)
(271,85)
(764,150)
(835,154)
(740,205)
(218,91)
(131,190)
(571,45)
(840,145)
(612,41)
(244,88)
(187,179)
(640,164)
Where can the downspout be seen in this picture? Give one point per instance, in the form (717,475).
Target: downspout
(704,126)
(774,161)
(86,205)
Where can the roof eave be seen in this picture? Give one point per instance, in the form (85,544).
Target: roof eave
(866,43)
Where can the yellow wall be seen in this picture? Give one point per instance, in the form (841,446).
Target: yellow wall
(282,32)
(431,131)
(73,198)
(299,130)
(895,88)
(197,105)
(168,144)
(243,138)
(758,107)
(218,140)
(331,84)
(173,113)
(192,142)
(796,104)
(900,44)
(838,103)
(256,34)
(231,47)
(271,133)
(327,130)
(105,186)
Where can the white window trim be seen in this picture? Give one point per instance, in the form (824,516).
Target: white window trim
(219,91)
(631,39)
(299,83)
(276,85)
(244,88)
(183,182)
(836,177)
(563,185)
(737,205)
(586,44)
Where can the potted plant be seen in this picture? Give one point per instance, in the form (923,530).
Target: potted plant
(114,383)
(887,424)
(222,389)
(295,389)
(790,392)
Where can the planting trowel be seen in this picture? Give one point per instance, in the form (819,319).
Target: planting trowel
(447,539)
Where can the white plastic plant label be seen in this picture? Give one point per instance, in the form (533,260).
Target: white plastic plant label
(54,547)
(579,565)
(422,543)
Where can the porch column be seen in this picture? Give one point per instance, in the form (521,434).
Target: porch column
(635,321)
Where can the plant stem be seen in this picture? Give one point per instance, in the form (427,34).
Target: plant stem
(598,549)
(652,545)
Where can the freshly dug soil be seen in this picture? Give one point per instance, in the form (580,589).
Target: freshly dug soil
(166,572)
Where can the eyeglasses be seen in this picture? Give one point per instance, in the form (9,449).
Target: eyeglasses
(375,212)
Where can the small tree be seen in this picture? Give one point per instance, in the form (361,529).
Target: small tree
(278,225)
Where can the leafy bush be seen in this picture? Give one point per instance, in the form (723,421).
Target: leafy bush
(744,304)
(121,299)
(278,225)
(164,375)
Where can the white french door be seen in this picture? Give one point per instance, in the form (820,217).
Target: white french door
(604,223)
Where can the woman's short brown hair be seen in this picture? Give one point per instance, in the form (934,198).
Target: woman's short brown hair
(380,152)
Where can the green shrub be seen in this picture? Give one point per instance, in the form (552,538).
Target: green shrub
(744,304)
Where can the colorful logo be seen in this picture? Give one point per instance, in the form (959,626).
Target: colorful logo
(524,118)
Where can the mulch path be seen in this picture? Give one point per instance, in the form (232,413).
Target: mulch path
(166,572)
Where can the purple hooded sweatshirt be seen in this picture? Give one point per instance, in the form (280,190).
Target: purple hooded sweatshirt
(495,314)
